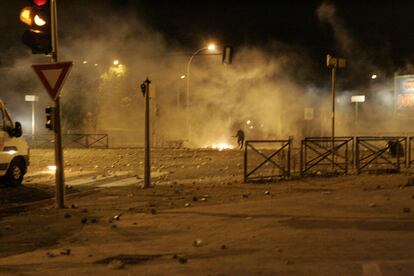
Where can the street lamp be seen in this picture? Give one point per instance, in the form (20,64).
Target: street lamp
(210,47)
(180,89)
(334,63)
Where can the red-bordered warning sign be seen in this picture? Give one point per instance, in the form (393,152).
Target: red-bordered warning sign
(53,76)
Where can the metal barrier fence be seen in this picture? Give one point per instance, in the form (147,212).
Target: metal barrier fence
(381,153)
(323,153)
(69,141)
(276,163)
(410,155)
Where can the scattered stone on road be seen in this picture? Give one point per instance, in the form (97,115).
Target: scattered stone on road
(116,264)
(198,242)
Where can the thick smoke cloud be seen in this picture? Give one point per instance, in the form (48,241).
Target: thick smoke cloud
(264,92)
(327,13)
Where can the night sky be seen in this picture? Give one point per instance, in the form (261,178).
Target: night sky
(383,29)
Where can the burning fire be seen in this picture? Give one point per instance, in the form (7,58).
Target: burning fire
(222,146)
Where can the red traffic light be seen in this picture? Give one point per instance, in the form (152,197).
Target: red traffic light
(40,2)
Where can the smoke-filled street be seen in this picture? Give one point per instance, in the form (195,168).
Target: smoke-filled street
(230,137)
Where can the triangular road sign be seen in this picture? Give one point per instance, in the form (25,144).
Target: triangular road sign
(52,76)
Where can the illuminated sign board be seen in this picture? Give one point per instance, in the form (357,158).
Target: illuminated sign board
(358,99)
(404,92)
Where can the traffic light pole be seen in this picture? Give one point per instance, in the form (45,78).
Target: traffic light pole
(59,174)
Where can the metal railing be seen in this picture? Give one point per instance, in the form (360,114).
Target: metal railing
(276,163)
(80,140)
(410,155)
(381,153)
(323,154)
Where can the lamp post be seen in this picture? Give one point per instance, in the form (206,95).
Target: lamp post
(334,63)
(180,90)
(210,47)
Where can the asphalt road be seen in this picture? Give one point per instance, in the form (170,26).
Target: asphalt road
(205,221)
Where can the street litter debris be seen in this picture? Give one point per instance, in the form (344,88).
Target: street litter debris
(267,193)
(372,205)
(187,204)
(51,255)
(198,242)
(65,252)
(116,264)
(182,259)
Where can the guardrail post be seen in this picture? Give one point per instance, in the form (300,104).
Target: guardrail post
(289,153)
(405,153)
(301,158)
(357,154)
(346,158)
(245,161)
(409,151)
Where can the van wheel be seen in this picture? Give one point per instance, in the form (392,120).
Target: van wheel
(15,173)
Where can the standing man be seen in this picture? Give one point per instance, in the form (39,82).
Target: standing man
(240,138)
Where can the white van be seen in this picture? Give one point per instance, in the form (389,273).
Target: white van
(14,151)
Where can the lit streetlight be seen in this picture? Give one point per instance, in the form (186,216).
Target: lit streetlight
(210,47)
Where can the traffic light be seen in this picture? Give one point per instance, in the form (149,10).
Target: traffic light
(50,117)
(227,55)
(37,15)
